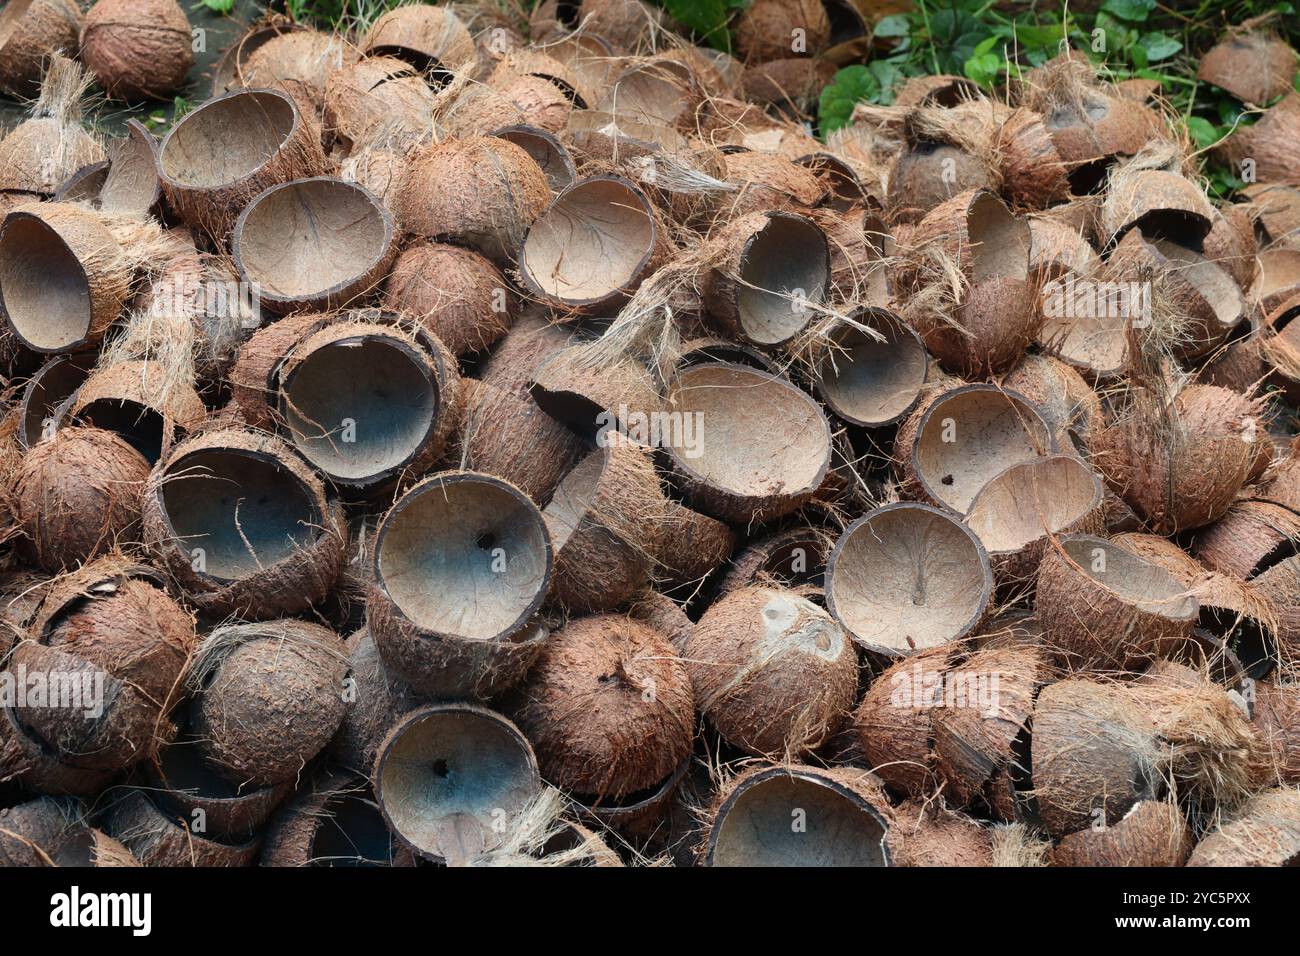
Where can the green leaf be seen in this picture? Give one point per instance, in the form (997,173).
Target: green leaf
(1134,10)
(1159,46)
(889,75)
(850,86)
(221,8)
(985,45)
(707,19)
(983,68)
(1203,132)
(954,34)
(896,25)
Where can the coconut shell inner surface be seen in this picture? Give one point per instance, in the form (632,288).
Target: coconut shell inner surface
(783,269)
(872,382)
(1135,580)
(43,287)
(1032,499)
(226,139)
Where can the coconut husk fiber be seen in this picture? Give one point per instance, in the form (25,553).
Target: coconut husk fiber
(39,154)
(30,34)
(930,835)
(134,400)
(1264,831)
(1152,833)
(1251,62)
(137,49)
(1250,537)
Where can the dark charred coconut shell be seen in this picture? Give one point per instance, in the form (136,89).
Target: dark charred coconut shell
(46,396)
(231,148)
(253,379)
(137,49)
(334,821)
(64,277)
(906,578)
(160,838)
(772,672)
(605,524)
(313,244)
(1093,752)
(299,62)
(507,435)
(243,525)
(182,783)
(1103,607)
(931,835)
(770,29)
(1152,833)
(895,720)
(30,31)
(375,701)
(367,403)
(791,556)
(766,448)
(452,778)
(1264,831)
(773,269)
(690,545)
(1276,720)
(867,381)
(126,183)
(443,616)
(376,100)
(1249,538)
(1254,67)
(479,191)
(965,437)
(77,495)
(592,246)
(135,401)
(847,819)
(1018,513)
(546,150)
(455,293)
(608,708)
(432,38)
(286,674)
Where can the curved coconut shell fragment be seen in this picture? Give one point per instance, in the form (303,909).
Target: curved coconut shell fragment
(159,838)
(126,183)
(1264,831)
(134,400)
(334,821)
(872,379)
(1253,66)
(185,785)
(1152,833)
(47,394)
(1251,537)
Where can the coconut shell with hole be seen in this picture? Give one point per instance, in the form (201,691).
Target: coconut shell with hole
(1255,67)
(135,401)
(478,191)
(137,49)
(128,184)
(1152,833)
(75,247)
(477,539)
(333,821)
(1263,831)
(847,819)
(247,677)
(160,838)
(1104,608)
(608,708)
(185,785)
(455,293)
(243,525)
(868,380)
(1252,536)
(906,578)
(765,448)
(452,778)
(216,159)
(605,522)
(78,495)
(773,673)
(30,31)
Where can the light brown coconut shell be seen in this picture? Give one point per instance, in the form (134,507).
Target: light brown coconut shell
(941,89)
(516,359)
(40,154)
(135,401)
(1162,203)
(451,779)
(590,393)
(931,835)
(334,821)
(1064,399)
(376,100)
(78,495)
(1280,586)
(859,274)
(605,522)
(1231,243)
(1090,128)
(1276,720)
(30,31)
(769,29)
(765,182)
(847,819)
(455,293)
(1278,280)
(791,84)
(227,72)
(451,529)
(791,556)
(137,49)
(894,721)
(536,63)
(253,379)
(1151,833)
(690,546)
(546,150)
(1248,539)
(656,90)
(1056,250)
(499,191)
(47,395)
(1103,607)
(183,784)
(1264,831)
(1033,176)
(663,614)
(767,448)
(1255,67)
(772,270)
(287,674)
(592,246)
(1266,143)
(1275,209)
(906,578)
(772,672)
(243,525)
(300,62)
(231,148)
(161,839)
(431,38)
(126,183)
(311,245)
(539,101)
(608,708)
(90,272)
(869,382)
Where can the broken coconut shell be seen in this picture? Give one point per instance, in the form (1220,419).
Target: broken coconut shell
(1263,831)
(430,38)
(184,785)
(161,839)
(1254,66)
(334,821)
(125,183)
(135,401)
(872,379)
(1151,833)
(1251,537)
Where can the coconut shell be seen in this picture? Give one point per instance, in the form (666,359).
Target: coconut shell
(1280,585)
(546,150)
(159,839)
(134,400)
(1033,176)
(194,527)
(300,62)
(456,294)
(1254,67)
(894,721)
(925,835)
(1276,719)
(1252,535)
(772,672)
(513,364)
(1264,831)
(859,275)
(790,556)
(1231,243)
(137,49)
(1266,143)
(46,396)
(77,496)
(40,153)
(1102,607)
(377,99)
(773,29)
(377,700)
(790,84)
(227,72)
(690,546)
(764,183)
(869,382)
(1056,250)
(334,821)
(31,33)
(60,240)
(254,376)
(221,155)
(1152,833)
(498,192)
(127,181)
(1160,202)
(430,37)
(34,833)
(1275,209)
(183,784)
(588,392)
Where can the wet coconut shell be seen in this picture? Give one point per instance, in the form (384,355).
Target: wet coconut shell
(772,672)
(201,496)
(158,839)
(455,293)
(135,400)
(229,150)
(73,246)
(608,708)
(78,495)
(29,33)
(248,677)
(924,835)
(848,819)
(1152,833)
(906,578)
(499,190)
(1264,831)
(431,642)
(1103,607)
(334,821)
(1254,67)
(1248,538)
(137,49)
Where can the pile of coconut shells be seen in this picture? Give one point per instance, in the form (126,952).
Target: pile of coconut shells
(481,441)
